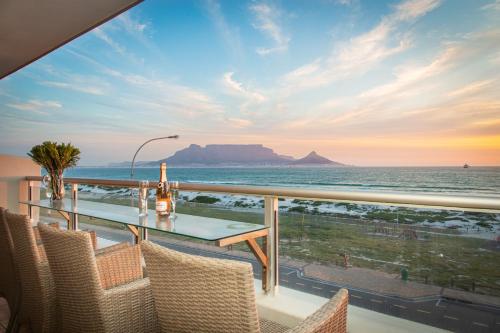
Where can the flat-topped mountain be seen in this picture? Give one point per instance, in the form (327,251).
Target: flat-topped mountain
(226,154)
(232,155)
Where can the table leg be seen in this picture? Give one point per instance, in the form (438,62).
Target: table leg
(139,233)
(266,272)
(67,218)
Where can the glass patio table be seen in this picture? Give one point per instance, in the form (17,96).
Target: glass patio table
(222,232)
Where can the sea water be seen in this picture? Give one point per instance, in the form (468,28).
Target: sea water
(471,182)
(474,181)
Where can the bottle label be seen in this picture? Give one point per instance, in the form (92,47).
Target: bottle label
(161,206)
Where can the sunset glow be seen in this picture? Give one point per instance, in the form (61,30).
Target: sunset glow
(409,82)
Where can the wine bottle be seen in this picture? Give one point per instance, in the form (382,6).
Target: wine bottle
(162,192)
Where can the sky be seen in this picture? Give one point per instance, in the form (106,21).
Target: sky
(368,83)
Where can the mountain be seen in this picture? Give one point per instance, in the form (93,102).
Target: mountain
(226,155)
(231,155)
(314,158)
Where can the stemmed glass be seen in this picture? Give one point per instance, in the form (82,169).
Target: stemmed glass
(143,197)
(46,186)
(174,197)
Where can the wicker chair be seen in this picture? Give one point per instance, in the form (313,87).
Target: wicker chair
(38,307)
(196,294)
(85,304)
(9,287)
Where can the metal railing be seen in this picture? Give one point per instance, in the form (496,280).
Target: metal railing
(462,203)
(442,272)
(271,209)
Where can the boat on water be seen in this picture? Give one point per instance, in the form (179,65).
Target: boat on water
(466,166)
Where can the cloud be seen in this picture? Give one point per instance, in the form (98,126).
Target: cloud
(236,88)
(421,99)
(239,122)
(471,88)
(93,90)
(266,20)
(495,5)
(229,34)
(413,9)
(410,74)
(131,25)
(132,31)
(183,101)
(344,2)
(361,53)
(35,105)
(99,33)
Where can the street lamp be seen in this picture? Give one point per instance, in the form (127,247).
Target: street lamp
(145,143)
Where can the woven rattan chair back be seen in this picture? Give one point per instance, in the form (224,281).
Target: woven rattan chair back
(38,305)
(330,318)
(196,294)
(72,263)
(8,285)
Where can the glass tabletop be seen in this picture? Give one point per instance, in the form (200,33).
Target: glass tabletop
(205,228)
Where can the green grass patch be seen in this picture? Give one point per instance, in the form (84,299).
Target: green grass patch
(205,199)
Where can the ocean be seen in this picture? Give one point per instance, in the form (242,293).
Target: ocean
(475,181)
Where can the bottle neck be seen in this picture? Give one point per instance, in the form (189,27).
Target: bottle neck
(163,174)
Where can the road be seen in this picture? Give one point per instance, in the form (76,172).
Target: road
(437,311)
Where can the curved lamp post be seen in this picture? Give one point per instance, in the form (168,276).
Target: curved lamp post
(145,143)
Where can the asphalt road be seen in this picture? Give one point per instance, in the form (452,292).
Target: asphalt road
(435,311)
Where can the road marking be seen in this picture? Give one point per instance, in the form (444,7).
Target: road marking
(479,324)
(399,306)
(355,296)
(449,317)
(376,301)
(289,273)
(284,280)
(423,311)
(319,288)
(300,284)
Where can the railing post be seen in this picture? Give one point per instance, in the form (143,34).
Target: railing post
(30,197)
(74,203)
(142,233)
(270,276)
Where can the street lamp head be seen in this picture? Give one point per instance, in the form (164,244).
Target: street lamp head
(154,139)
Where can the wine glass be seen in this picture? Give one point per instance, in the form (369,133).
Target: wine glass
(46,186)
(173,200)
(143,197)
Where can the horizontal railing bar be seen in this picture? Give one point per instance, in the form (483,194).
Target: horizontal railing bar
(480,204)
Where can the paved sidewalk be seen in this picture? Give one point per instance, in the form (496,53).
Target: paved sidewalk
(369,279)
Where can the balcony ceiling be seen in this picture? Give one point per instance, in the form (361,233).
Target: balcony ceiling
(29,29)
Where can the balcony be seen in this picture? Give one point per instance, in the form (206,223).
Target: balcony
(401,275)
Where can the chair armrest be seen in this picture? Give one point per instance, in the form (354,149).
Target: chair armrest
(120,266)
(130,308)
(111,248)
(331,317)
